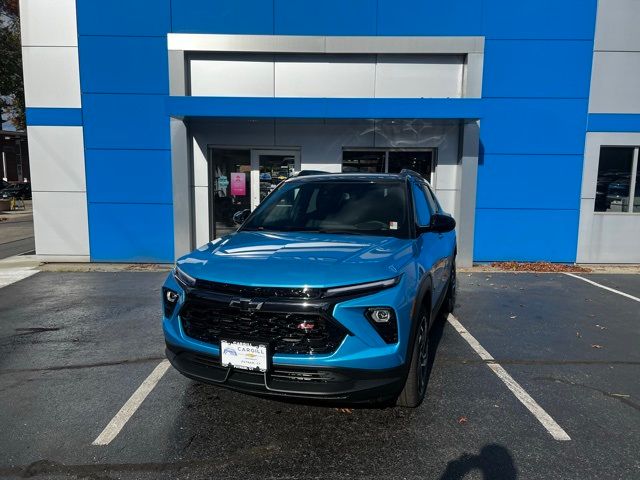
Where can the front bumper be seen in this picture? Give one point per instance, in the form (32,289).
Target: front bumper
(327,385)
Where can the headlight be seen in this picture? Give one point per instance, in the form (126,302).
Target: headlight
(362,287)
(183,279)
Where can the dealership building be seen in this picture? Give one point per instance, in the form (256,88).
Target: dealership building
(151,122)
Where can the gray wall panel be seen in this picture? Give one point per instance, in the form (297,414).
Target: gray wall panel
(618,25)
(615,82)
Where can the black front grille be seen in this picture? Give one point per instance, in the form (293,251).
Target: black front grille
(298,333)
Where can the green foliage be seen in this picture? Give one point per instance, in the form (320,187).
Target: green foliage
(11,83)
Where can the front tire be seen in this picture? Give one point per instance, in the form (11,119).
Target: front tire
(415,386)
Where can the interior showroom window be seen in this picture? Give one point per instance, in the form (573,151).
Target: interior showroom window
(618,188)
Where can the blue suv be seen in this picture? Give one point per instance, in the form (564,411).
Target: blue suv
(327,291)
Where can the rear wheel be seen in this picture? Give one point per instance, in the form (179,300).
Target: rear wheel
(415,386)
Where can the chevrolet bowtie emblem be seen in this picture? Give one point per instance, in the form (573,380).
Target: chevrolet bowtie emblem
(245,304)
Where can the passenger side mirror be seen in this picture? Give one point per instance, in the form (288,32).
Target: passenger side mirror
(240,216)
(440,223)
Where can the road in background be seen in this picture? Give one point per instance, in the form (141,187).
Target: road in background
(16,232)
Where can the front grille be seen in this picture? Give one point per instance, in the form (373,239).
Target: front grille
(296,333)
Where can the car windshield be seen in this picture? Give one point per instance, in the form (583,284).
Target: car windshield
(350,207)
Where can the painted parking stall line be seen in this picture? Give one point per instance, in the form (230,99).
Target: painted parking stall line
(13,275)
(530,404)
(116,424)
(603,286)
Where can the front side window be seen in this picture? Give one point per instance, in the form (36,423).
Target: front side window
(617,189)
(423,206)
(365,208)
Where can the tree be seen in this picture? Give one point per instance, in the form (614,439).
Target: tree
(11,84)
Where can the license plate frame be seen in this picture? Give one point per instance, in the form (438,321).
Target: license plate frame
(245,355)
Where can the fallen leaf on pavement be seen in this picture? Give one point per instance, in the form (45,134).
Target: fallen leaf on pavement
(345,410)
(462,420)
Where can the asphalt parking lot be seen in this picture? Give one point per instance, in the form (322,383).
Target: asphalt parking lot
(74,347)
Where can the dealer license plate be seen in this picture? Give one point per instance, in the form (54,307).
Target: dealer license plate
(244,355)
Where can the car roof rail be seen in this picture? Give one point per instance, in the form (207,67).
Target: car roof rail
(405,172)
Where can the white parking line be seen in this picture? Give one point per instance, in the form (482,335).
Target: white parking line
(543,417)
(13,275)
(602,286)
(129,408)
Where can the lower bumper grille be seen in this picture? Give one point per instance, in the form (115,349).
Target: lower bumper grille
(286,332)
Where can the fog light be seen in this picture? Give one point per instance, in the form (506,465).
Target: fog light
(381,315)
(172,297)
(383,320)
(169,301)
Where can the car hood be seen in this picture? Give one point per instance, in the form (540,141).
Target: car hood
(294,259)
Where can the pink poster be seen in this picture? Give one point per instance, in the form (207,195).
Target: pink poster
(238,185)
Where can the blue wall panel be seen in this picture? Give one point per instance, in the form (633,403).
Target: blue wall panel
(526,235)
(124,65)
(329,17)
(131,232)
(64,117)
(530,181)
(551,19)
(148,174)
(430,17)
(541,126)
(125,121)
(123,17)
(222,16)
(542,68)
(608,122)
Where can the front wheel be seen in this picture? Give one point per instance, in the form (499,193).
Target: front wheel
(415,386)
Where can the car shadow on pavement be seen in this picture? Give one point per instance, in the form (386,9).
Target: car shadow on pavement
(494,462)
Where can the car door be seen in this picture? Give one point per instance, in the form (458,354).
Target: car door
(431,245)
(447,240)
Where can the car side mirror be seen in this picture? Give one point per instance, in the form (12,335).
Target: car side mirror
(240,216)
(440,223)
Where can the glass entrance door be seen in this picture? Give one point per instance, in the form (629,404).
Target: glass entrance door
(230,188)
(269,168)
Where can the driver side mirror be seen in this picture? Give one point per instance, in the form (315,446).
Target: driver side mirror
(240,216)
(440,223)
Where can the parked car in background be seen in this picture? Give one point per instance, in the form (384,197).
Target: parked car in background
(327,292)
(16,190)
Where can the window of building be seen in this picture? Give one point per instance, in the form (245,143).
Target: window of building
(388,161)
(618,187)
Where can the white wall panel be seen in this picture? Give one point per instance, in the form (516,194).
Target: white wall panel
(48,23)
(614,82)
(56,158)
(201,214)
(236,76)
(329,76)
(449,201)
(416,76)
(51,77)
(60,223)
